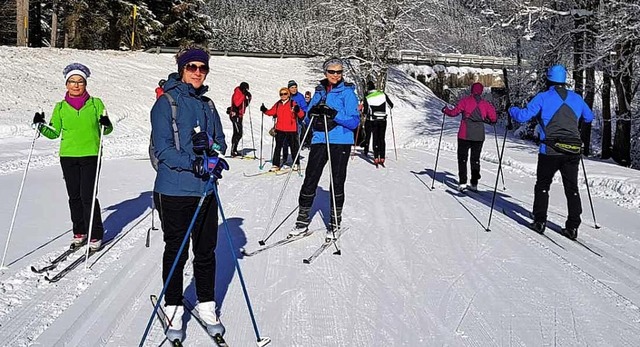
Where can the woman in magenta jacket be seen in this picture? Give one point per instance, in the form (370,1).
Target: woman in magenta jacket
(475,112)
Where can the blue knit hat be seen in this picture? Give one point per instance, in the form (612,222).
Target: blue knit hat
(191,55)
(557,73)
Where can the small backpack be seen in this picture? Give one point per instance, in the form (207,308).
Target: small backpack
(176,138)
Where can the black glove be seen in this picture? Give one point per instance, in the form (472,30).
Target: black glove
(206,166)
(38,118)
(229,110)
(322,110)
(201,142)
(247,96)
(104,121)
(263,109)
(489,121)
(296,109)
(444,108)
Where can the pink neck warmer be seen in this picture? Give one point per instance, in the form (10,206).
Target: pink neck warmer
(77,102)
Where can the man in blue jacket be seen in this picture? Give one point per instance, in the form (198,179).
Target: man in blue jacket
(335,102)
(187,160)
(558,111)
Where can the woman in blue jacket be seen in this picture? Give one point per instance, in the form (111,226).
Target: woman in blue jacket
(185,162)
(336,103)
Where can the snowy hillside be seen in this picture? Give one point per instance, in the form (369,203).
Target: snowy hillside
(417,266)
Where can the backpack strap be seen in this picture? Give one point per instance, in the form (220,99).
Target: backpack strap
(174,114)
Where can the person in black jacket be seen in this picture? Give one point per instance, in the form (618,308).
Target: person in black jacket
(375,110)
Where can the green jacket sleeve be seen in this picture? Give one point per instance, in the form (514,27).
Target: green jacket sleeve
(102,112)
(55,125)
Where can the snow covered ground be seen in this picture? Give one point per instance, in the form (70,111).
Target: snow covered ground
(417,266)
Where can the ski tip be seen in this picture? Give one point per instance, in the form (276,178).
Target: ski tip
(261,243)
(306,261)
(263,341)
(487,230)
(4,267)
(597,226)
(338,252)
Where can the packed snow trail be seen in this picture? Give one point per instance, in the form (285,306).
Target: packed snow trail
(417,267)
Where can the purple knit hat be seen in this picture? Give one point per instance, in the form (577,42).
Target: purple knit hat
(191,55)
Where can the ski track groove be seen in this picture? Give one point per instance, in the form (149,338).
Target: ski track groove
(613,297)
(42,302)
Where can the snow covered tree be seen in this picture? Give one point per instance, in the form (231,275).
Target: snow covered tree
(186,22)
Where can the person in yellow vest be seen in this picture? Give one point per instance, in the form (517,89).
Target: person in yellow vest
(77,120)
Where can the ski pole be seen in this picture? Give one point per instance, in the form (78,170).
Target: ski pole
(260,341)
(501,172)
(495,188)
(260,166)
(94,197)
(331,187)
(355,144)
(586,182)
(15,209)
(273,139)
(393,133)
(175,261)
(438,152)
(262,242)
(253,141)
(153,226)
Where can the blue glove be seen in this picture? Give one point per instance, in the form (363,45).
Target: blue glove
(512,110)
(206,166)
(201,142)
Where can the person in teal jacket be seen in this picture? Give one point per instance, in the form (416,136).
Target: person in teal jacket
(558,111)
(336,102)
(183,173)
(77,120)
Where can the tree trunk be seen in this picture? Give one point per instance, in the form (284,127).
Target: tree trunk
(590,83)
(54,24)
(622,81)
(606,112)
(578,51)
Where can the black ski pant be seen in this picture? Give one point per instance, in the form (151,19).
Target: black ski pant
(548,165)
(463,156)
(79,176)
(285,139)
(175,214)
(237,133)
(318,158)
(368,131)
(378,130)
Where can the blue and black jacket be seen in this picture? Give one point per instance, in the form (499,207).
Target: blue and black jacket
(558,111)
(342,98)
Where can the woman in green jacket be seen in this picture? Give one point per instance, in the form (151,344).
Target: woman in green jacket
(77,120)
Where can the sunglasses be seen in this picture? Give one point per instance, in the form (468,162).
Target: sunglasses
(281,94)
(193,68)
(78,83)
(334,72)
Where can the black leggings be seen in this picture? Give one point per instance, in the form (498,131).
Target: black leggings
(79,177)
(175,214)
(285,139)
(463,155)
(317,160)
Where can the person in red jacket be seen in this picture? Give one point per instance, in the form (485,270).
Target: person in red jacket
(475,112)
(286,112)
(159,89)
(239,103)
